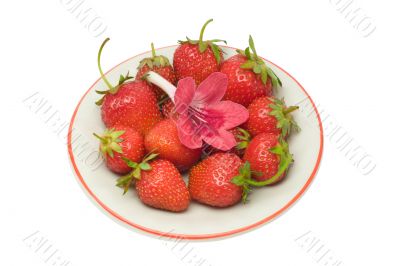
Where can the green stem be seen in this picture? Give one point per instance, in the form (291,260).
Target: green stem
(202,30)
(252,47)
(153,51)
(103,140)
(290,109)
(270,180)
(99,65)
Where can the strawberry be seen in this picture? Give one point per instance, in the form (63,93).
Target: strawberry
(163,187)
(158,184)
(270,115)
(163,138)
(159,64)
(121,142)
(210,180)
(248,76)
(269,157)
(132,104)
(197,58)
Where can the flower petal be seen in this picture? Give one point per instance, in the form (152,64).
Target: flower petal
(188,132)
(211,90)
(221,139)
(184,94)
(226,115)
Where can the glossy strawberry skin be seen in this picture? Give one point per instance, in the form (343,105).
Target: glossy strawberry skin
(210,180)
(132,149)
(166,72)
(260,121)
(190,62)
(134,105)
(163,187)
(244,86)
(163,139)
(260,158)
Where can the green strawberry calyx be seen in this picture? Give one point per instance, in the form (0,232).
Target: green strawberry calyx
(109,142)
(203,45)
(283,115)
(244,139)
(241,180)
(137,168)
(111,89)
(257,64)
(285,160)
(154,60)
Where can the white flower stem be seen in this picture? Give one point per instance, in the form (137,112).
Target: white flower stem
(161,82)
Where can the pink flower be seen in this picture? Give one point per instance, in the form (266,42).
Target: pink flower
(202,114)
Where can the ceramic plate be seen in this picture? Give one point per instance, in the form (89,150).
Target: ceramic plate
(199,221)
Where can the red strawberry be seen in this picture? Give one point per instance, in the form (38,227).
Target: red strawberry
(159,64)
(163,139)
(248,76)
(132,104)
(210,180)
(158,184)
(118,143)
(197,58)
(269,157)
(270,115)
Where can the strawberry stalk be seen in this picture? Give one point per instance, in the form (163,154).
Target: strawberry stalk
(203,45)
(111,89)
(99,65)
(290,109)
(153,51)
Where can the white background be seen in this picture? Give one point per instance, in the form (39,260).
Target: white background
(353,79)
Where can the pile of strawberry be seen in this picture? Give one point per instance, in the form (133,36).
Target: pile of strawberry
(141,142)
